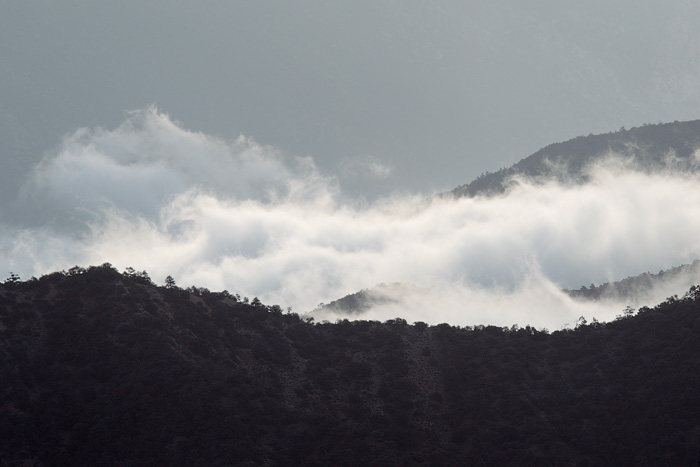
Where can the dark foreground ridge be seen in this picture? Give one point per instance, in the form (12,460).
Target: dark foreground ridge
(103,368)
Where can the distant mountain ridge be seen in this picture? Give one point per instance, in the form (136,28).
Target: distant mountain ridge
(364,300)
(635,286)
(638,288)
(651,147)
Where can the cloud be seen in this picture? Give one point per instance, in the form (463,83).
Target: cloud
(240,216)
(149,159)
(366,167)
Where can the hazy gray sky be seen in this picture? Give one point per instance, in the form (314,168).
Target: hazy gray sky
(436,91)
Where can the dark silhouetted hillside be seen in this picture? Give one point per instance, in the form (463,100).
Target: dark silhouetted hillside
(103,368)
(651,147)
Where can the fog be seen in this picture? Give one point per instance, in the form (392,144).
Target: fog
(241,216)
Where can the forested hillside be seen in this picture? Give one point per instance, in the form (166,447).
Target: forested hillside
(649,148)
(635,287)
(106,368)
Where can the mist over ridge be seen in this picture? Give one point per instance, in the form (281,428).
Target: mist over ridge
(650,148)
(241,216)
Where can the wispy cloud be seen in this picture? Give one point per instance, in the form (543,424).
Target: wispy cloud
(368,166)
(237,215)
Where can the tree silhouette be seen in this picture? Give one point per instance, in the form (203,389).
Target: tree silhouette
(170,282)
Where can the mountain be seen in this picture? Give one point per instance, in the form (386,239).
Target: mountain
(642,288)
(106,368)
(364,300)
(650,147)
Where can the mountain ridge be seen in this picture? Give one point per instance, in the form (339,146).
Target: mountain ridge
(631,289)
(650,147)
(106,368)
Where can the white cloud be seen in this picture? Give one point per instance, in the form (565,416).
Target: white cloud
(147,160)
(239,216)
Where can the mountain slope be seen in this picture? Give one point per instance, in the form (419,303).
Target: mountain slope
(651,147)
(103,368)
(643,285)
(631,290)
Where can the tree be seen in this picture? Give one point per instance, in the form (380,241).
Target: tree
(76,271)
(693,293)
(14,278)
(170,283)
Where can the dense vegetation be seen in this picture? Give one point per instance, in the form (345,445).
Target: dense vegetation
(104,368)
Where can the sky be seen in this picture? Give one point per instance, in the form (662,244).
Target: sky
(410,96)
(286,149)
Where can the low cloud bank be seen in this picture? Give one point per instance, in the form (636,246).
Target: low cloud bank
(147,161)
(240,216)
